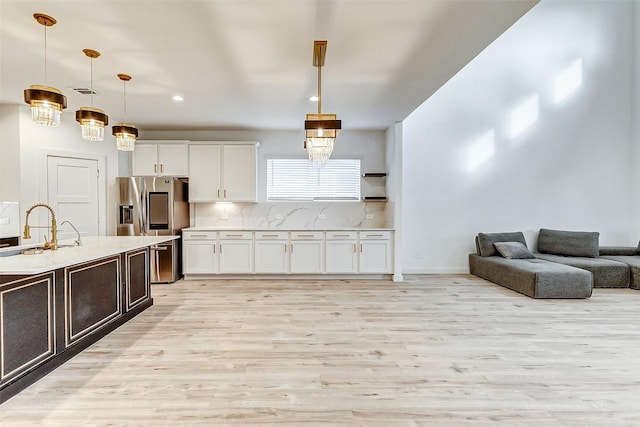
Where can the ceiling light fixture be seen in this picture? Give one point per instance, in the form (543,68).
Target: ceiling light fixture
(125,134)
(46,102)
(177,98)
(321,129)
(92,120)
(313,98)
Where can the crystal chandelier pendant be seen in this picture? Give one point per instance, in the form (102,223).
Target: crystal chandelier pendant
(125,134)
(46,102)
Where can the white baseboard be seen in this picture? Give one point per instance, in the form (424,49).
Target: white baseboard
(435,271)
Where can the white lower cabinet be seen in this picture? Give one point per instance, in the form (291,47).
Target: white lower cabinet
(341,252)
(307,252)
(236,252)
(271,252)
(199,252)
(375,252)
(287,252)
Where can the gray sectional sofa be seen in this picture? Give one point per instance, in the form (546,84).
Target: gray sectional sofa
(530,276)
(567,264)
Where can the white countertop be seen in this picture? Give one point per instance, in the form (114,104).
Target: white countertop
(92,248)
(253,228)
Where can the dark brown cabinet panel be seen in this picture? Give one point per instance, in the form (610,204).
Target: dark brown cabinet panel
(27,324)
(137,277)
(92,296)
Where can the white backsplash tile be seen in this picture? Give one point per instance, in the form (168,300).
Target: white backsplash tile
(289,215)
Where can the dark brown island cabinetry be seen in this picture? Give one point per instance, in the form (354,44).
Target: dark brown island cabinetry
(47,318)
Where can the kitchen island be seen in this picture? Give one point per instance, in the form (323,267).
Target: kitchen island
(56,303)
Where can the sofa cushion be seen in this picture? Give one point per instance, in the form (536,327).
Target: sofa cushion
(569,243)
(634,265)
(513,250)
(618,250)
(485,241)
(606,273)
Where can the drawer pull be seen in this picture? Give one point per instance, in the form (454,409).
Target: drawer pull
(340,235)
(234,235)
(374,235)
(158,248)
(269,235)
(198,235)
(305,235)
(4,245)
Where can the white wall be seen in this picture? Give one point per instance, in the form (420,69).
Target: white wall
(9,153)
(635,119)
(464,170)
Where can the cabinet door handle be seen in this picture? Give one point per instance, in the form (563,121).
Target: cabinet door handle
(155,168)
(161,167)
(214,248)
(360,247)
(218,193)
(4,245)
(225,194)
(354,248)
(220,247)
(285,247)
(292,248)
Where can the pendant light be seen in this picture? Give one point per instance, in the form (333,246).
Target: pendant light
(46,102)
(321,129)
(125,134)
(92,120)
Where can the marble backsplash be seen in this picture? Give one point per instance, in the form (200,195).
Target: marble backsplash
(290,215)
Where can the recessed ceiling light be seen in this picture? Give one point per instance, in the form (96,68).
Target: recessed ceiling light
(178,98)
(313,98)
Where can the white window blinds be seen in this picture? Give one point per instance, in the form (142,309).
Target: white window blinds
(299,179)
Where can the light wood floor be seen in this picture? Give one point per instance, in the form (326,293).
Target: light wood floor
(435,350)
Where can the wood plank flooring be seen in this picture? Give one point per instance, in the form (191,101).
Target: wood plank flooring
(434,350)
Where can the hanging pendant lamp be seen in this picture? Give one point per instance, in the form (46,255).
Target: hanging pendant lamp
(125,134)
(46,102)
(92,120)
(321,129)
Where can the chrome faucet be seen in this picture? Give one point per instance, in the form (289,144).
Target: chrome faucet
(53,244)
(78,241)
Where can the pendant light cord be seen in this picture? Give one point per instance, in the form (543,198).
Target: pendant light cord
(319,90)
(45,54)
(91,82)
(124,99)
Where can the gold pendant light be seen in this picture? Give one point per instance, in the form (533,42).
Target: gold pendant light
(46,102)
(321,129)
(92,120)
(125,134)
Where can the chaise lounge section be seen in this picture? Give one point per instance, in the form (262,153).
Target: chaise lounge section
(533,277)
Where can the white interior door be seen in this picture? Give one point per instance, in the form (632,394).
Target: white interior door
(72,192)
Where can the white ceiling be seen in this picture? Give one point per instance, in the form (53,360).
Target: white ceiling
(247,64)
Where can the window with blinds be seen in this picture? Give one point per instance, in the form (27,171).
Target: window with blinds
(299,179)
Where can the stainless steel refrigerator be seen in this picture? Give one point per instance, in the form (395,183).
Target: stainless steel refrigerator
(155,206)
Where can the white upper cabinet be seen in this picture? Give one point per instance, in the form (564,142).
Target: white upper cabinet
(222,172)
(163,159)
